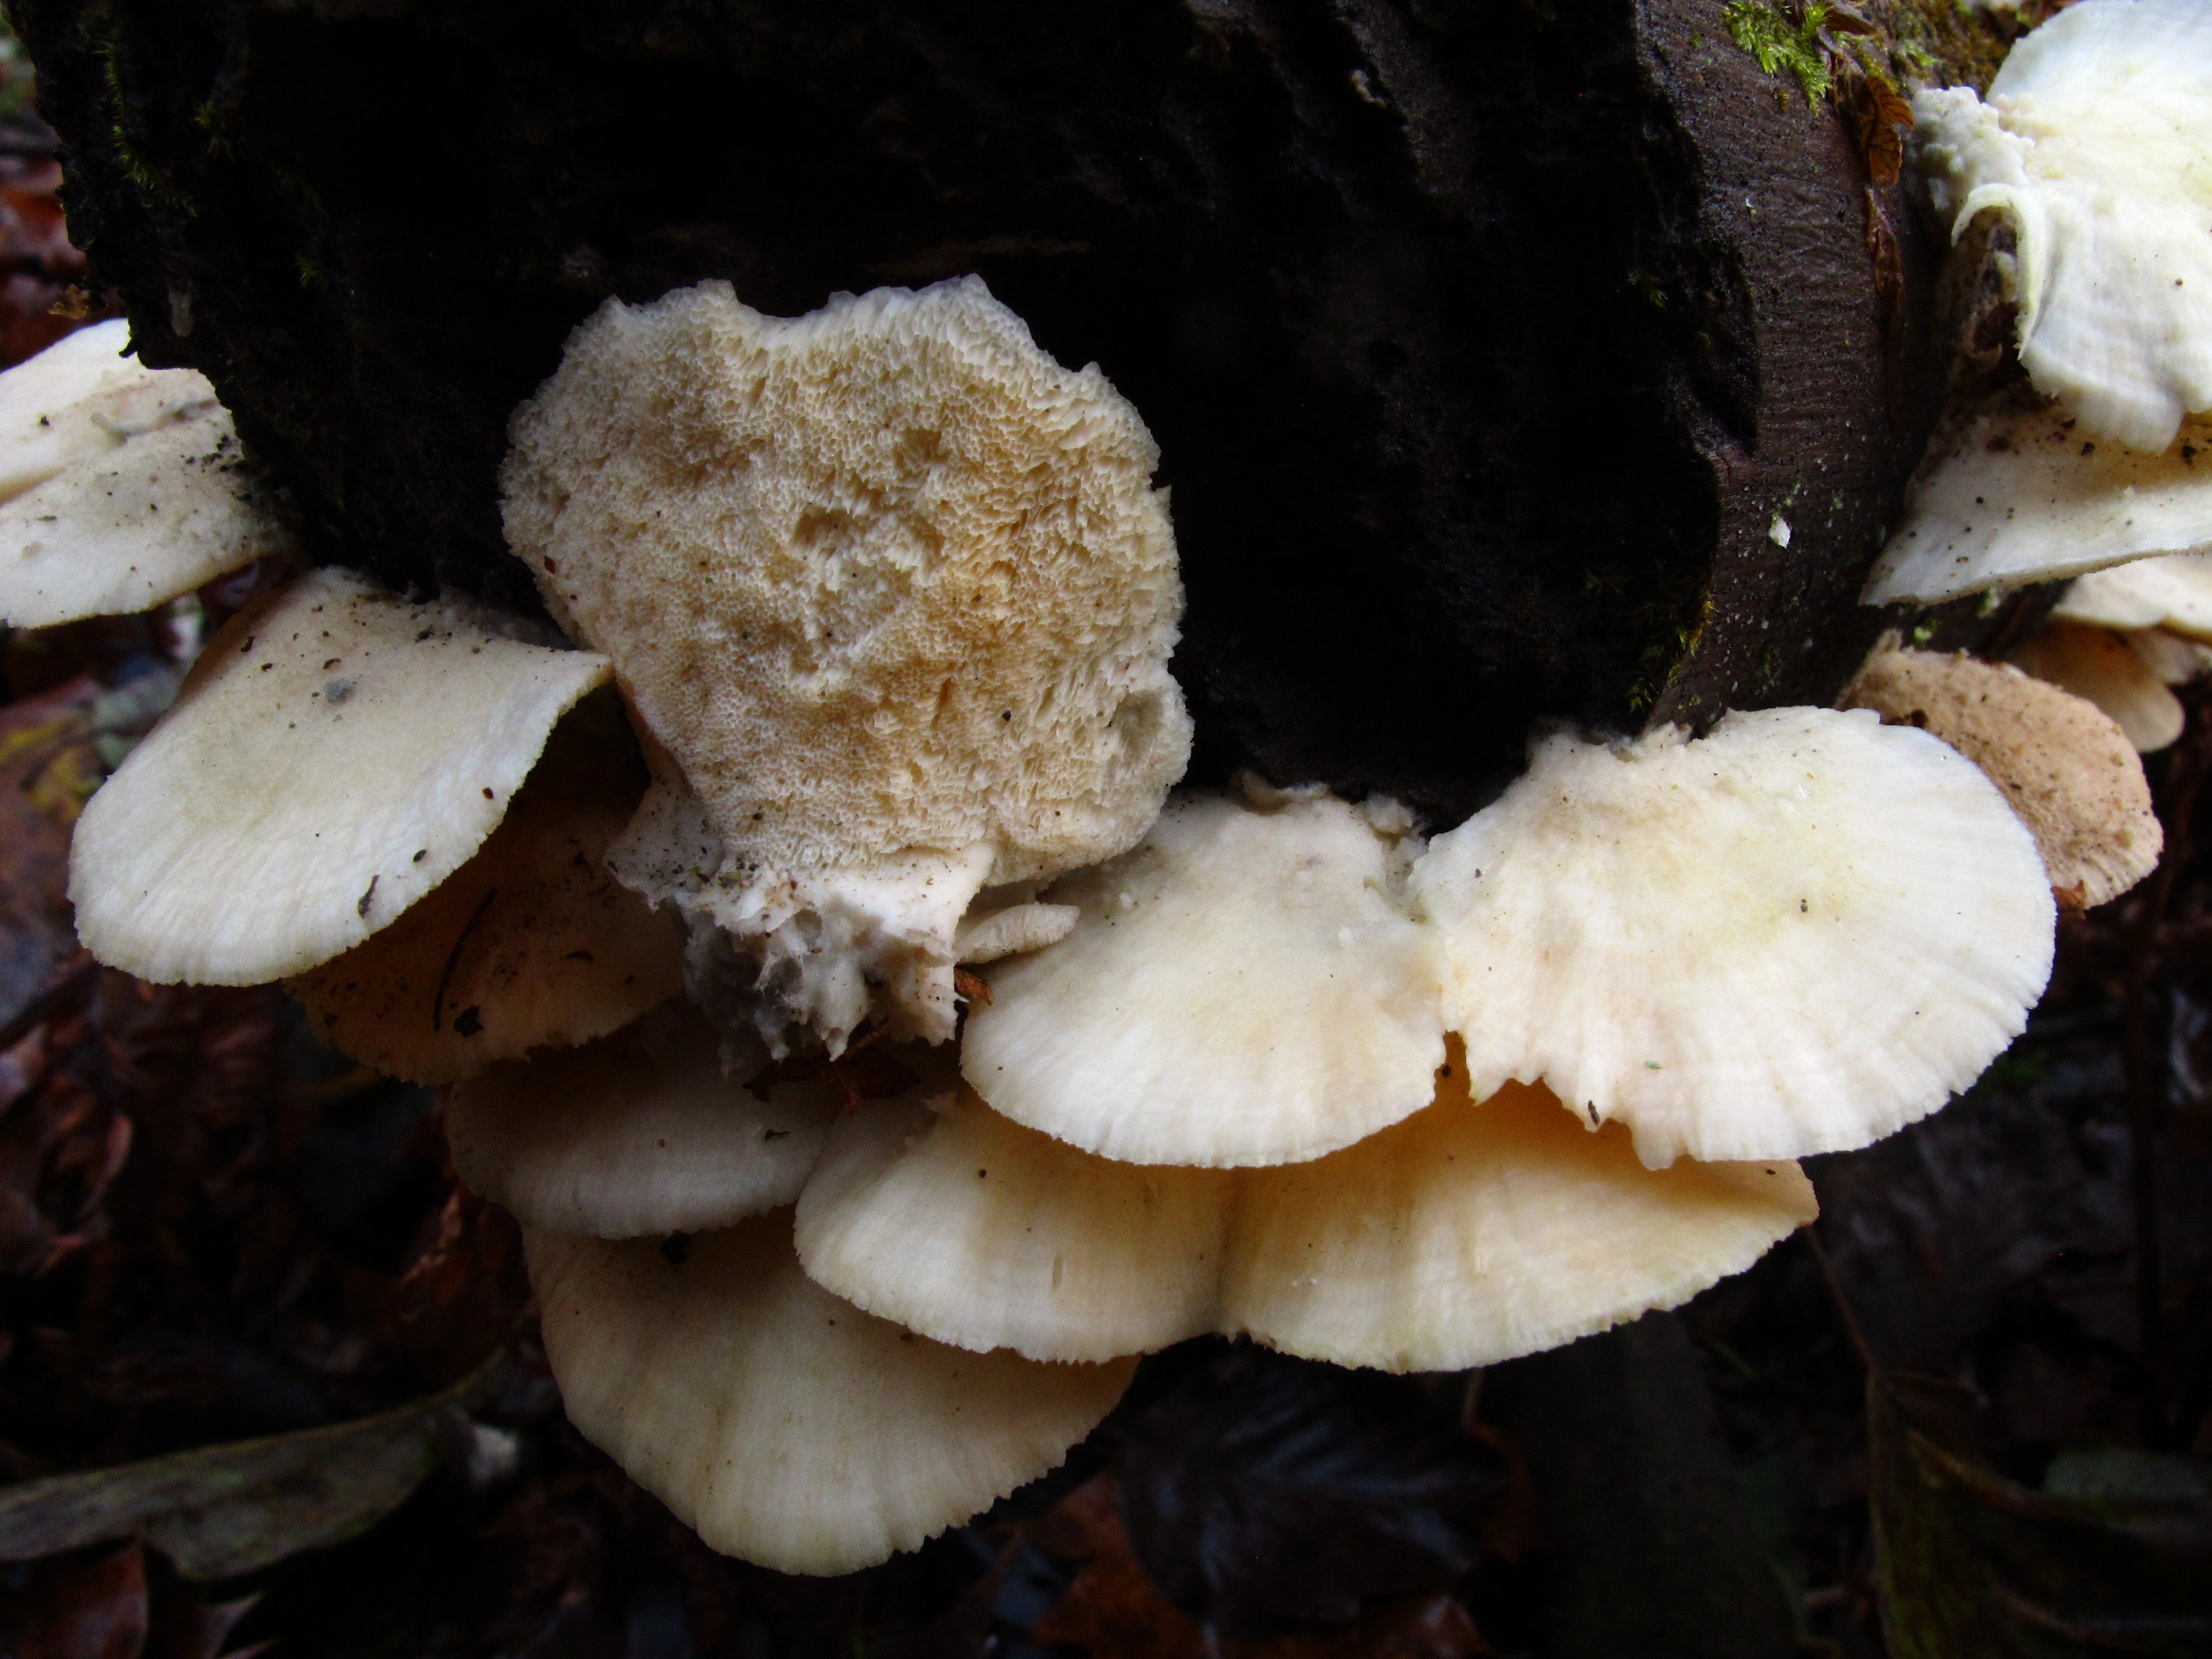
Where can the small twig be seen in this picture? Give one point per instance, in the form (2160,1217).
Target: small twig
(453,960)
(1852,1331)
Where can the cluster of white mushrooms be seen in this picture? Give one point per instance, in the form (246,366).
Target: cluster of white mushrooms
(885,600)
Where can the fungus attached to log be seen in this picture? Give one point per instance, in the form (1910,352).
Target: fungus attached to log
(1243,988)
(335,754)
(1794,935)
(893,593)
(2091,146)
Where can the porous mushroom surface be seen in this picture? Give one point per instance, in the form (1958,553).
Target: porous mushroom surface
(893,591)
(2065,766)
(2092,146)
(335,754)
(2103,667)
(529,944)
(1465,1235)
(1796,934)
(1242,987)
(785,1426)
(644,1131)
(2016,493)
(2173,592)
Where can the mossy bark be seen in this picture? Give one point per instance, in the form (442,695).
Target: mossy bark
(1485,343)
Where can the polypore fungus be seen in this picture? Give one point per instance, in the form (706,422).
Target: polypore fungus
(785,1426)
(2067,769)
(1794,935)
(1243,988)
(894,592)
(2103,667)
(642,1132)
(335,754)
(120,487)
(1465,1235)
(2092,147)
(530,943)
(2014,494)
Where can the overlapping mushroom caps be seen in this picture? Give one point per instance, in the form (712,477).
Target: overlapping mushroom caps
(2093,152)
(887,597)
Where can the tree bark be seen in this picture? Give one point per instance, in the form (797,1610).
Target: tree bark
(1488,344)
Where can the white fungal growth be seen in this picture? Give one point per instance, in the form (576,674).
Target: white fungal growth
(893,592)
(2093,146)
(1795,935)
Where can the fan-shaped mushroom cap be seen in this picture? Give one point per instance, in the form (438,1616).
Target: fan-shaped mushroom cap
(961,1224)
(166,508)
(2173,592)
(642,1132)
(1464,1236)
(2092,145)
(2016,493)
(75,399)
(786,1426)
(2067,769)
(530,942)
(1243,988)
(335,754)
(1012,931)
(1794,935)
(2101,667)
(1471,1234)
(2175,659)
(886,580)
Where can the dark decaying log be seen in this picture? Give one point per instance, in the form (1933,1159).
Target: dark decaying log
(1485,340)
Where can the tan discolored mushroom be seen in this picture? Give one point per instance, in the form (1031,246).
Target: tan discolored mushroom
(2174,593)
(1796,934)
(530,943)
(2103,667)
(893,591)
(963,1224)
(645,1131)
(1463,1235)
(2067,769)
(785,1426)
(2091,146)
(1245,987)
(2016,493)
(335,754)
